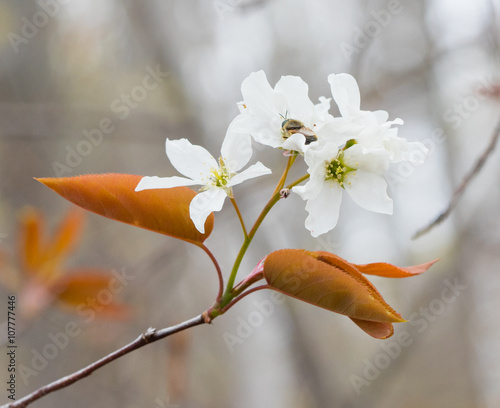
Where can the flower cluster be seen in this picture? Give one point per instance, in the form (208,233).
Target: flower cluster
(351,152)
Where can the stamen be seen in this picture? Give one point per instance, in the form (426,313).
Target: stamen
(337,169)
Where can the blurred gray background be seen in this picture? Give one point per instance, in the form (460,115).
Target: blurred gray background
(73,71)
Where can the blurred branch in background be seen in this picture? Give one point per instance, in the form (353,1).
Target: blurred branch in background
(463,185)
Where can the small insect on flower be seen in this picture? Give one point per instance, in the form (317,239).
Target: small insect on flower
(292,126)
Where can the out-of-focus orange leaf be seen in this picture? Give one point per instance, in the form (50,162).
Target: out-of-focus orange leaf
(40,276)
(330,284)
(90,289)
(68,234)
(30,240)
(41,256)
(113,195)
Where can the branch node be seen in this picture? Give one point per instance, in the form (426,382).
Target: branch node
(206,318)
(284,193)
(146,336)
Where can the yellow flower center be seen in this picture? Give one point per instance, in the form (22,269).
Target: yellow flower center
(219,177)
(337,169)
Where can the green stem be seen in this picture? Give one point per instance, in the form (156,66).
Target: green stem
(228,295)
(235,205)
(226,300)
(298,181)
(281,183)
(246,243)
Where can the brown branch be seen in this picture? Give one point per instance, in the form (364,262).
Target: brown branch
(150,336)
(463,185)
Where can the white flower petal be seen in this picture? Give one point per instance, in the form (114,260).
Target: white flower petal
(241,106)
(369,191)
(150,183)
(297,142)
(345,92)
(335,131)
(311,189)
(322,108)
(259,97)
(324,209)
(318,157)
(395,146)
(236,148)
(373,137)
(190,160)
(256,170)
(396,121)
(268,137)
(374,161)
(381,116)
(203,204)
(296,92)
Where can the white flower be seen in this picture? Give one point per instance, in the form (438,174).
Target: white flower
(331,170)
(371,129)
(200,168)
(274,116)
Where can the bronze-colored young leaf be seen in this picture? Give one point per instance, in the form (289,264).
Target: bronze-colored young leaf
(113,195)
(380,268)
(332,285)
(379,330)
(390,271)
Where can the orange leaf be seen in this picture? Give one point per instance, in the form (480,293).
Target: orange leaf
(324,281)
(113,195)
(391,271)
(30,240)
(68,233)
(42,256)
(381,268)
(90,290)
(379,330)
